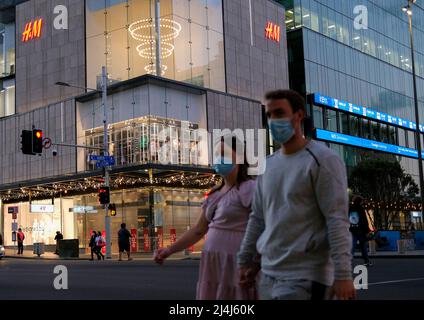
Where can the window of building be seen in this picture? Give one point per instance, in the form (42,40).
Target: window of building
(318,123)
(354,126)
(123,39)
(7,97)
(7,49)
(344,123)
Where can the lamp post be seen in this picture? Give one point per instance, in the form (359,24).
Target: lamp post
(105,149)
(408,10)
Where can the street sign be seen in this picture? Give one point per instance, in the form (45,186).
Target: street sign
(103,161)
(14,226)
(12,210)
(47,143)
(14,216)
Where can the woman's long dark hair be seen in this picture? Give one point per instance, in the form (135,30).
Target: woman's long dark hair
(242,174)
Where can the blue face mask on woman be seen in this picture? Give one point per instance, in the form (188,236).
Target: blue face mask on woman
(223,167)
(281,130)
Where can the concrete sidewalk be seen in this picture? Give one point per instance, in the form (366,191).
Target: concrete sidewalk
(28,254)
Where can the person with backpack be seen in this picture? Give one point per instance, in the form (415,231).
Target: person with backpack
(100,243)
(359,228)
(224,217)
(92,245)
(21,238)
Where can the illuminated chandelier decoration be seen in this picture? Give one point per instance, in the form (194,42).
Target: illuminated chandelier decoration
(141,30)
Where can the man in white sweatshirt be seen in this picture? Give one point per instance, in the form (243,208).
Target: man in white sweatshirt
(299,222)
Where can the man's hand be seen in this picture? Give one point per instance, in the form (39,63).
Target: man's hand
(343,290)
(248,275)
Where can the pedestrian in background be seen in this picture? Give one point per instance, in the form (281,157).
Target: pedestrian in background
(59,236)
(124,241)
(299,224)
(359,228)
(224,217)
(21,238)
(92,245)
(100,243)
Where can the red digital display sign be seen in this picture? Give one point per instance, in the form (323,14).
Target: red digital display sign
(33,30)
(273,31)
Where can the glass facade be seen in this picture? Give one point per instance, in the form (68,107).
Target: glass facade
(369,67)
(121,34)
(7,62)
(170,211)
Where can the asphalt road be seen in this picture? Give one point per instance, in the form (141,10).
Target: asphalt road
(401,278)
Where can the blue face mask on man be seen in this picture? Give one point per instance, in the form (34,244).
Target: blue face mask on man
(223,167)
(281,130)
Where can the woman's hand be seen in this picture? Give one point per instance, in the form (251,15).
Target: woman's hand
(161,255)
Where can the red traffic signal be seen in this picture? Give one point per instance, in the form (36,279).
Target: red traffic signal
(104,195)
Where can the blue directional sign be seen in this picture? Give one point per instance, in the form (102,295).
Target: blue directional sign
(330,136)
(364,111)
(103,161)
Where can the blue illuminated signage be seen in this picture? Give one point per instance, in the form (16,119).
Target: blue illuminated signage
(363,111)
(364,143)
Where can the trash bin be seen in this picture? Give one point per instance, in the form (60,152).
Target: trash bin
(68,248)
(38,248)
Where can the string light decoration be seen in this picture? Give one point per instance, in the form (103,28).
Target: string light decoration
(141,30)
(118,182)
(398,205)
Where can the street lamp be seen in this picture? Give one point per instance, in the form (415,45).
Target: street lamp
(105,148)
(408,10)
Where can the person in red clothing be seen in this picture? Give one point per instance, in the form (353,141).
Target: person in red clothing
(21,238)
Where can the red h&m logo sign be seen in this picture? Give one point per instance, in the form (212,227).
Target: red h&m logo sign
(32,30)
(273,31)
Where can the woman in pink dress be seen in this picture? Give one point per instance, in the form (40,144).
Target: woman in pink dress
(224,218)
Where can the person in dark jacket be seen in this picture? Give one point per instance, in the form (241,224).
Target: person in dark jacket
(59,236)
(124,241)
(92,245)
(359,228)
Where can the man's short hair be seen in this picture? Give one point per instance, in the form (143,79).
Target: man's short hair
(123,225)
(297,102)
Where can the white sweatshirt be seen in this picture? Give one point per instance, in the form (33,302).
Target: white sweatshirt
(299,221)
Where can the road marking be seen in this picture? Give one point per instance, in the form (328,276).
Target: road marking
(396,281)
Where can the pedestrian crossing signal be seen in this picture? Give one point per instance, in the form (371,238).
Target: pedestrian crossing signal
(112,209)
(26,142)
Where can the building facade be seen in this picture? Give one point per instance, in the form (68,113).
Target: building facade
(352,60)
(215,60)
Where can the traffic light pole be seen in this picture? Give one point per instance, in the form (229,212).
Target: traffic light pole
(105,153)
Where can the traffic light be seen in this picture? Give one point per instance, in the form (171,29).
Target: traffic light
(112,209)
(26,142)
(104,195)
(37,141)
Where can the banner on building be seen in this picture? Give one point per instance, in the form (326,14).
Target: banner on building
(173,235)
(146,239)
(160,238)
(133,240)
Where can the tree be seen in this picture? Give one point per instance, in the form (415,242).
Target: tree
(384,182)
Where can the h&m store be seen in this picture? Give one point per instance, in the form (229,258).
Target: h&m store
(209,72)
